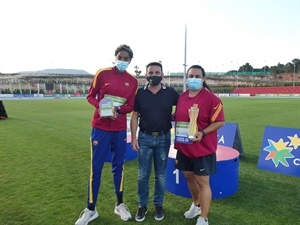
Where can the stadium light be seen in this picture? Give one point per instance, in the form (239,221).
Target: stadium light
(294,75)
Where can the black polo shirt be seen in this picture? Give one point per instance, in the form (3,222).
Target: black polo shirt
(155,109)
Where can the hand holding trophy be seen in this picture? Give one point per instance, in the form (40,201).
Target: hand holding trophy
(193,128)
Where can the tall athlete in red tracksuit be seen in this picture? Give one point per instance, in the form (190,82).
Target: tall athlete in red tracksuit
(110,133)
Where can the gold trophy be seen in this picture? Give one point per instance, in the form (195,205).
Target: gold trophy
(193,128)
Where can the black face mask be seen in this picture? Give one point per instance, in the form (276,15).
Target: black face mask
(154,80)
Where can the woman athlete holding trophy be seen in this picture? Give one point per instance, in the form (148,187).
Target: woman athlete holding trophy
(199,114)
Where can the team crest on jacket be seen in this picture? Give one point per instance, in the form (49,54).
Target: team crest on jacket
(95,143)
(126,84)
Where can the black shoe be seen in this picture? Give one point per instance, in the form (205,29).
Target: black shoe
(140,215)
(159,214)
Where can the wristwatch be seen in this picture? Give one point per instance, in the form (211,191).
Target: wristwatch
(117,108)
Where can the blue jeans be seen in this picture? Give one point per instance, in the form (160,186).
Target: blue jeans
(156,148)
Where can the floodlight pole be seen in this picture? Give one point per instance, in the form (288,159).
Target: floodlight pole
(237,79)
(184,65)
(294,75)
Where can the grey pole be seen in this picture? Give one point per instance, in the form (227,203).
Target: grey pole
(184,65)
(294,74)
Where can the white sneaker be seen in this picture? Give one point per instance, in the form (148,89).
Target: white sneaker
(192,212)
(201,221)
(86,216)
(123,211)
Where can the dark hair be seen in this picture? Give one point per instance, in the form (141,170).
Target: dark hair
(203,74)
(155,64)
(124,48)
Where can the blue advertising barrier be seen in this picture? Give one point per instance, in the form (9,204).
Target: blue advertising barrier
(229,135)
(280,151)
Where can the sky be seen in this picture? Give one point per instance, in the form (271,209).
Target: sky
(220,35)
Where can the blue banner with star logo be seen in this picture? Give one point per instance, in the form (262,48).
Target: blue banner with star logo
(280,151)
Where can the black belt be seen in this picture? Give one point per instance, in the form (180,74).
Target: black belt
(156,133)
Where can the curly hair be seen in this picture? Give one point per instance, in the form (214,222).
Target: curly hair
(124,48)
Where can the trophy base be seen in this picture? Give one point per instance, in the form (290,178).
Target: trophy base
(192,137)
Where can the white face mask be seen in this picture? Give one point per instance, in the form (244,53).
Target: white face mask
(122,65)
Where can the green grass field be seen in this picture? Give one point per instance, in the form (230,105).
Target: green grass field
(44,168)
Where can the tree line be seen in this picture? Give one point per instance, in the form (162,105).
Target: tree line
(290,67)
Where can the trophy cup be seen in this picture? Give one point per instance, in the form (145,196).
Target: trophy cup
(193,128)
(106,107)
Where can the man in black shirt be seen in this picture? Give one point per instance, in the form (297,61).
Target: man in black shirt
(152,114)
